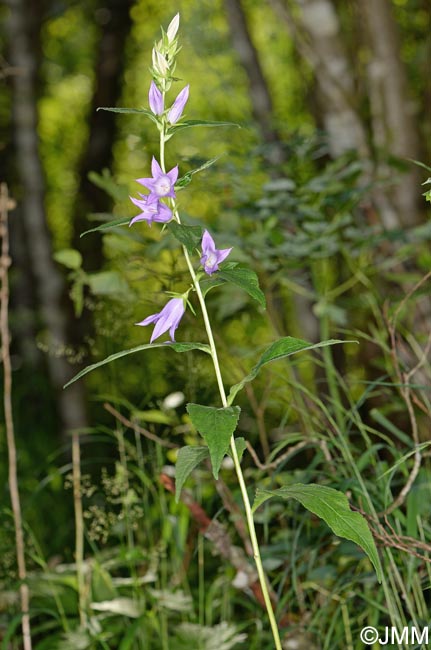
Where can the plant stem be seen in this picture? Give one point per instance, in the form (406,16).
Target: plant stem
(238,470)
(237,464)
(79,526)
(5,206)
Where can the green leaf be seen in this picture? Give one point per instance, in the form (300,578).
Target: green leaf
(189,236)
(216,427)
(241,446)
(105,226)
(178,347)
(188,458)
(333,507)
(188,124)
(246,279)
(187,178)
(209,283)
(141,111)
(120,607)
(106,283)
(284,347)
(69,257)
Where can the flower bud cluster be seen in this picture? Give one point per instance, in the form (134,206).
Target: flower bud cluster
(164,55)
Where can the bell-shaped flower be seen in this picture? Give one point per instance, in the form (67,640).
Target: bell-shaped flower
(212,256)
(178,105)
(161,184)
(151,210)
(167,319)
(155,99)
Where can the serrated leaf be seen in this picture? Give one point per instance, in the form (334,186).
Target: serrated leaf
(188,124)
(189,236)
(188,458)
(140,111)
(333,507)
(245,279)
(178,347)
(69,257)
(216,427)
(106,226)
(284,347)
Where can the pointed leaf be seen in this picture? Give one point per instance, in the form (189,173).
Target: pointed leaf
(178,347)
(187,178)
(333,507)
(188,124)
(284,347)
(246,279)
(142,111)
(189,236)
(216,427)
(188,458)
(110,224)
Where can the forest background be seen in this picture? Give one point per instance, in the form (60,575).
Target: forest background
(319,194)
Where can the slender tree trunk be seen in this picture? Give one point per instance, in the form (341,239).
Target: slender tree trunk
(318,38)
(393,126)
(115,29)
(49,285)
(259,92)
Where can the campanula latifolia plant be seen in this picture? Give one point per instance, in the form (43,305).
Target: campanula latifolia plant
(208,268)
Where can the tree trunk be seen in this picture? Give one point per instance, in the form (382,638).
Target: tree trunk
(393,126)
(115,28)
(49,284)
(259,93)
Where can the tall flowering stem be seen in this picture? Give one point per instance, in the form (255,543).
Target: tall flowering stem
(217,370)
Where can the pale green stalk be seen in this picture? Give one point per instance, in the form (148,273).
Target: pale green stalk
(237,464)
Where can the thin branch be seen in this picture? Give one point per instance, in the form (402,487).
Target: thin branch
(132,425)
(5,261)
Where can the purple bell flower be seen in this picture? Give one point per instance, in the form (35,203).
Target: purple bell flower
(161,184)
(168,319)
(212,256)
(151,210)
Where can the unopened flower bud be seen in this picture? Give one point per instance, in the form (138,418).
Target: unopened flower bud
(159,63)
(178,105)
(173,28)
(155,99)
